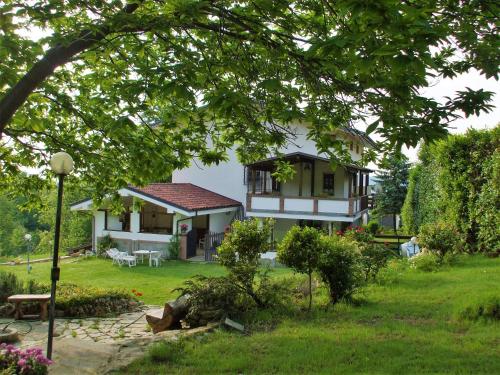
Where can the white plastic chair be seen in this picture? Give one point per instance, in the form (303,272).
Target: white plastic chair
(114,254)
(154,258)
(124,258)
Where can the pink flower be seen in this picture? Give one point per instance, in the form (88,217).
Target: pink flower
(21,363)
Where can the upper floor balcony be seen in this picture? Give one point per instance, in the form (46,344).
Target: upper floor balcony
(315,192)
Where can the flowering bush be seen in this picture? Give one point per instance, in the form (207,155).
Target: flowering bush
(356,233)
(26,362)
(184,228)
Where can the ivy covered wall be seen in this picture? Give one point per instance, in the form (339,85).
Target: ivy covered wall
(458,180)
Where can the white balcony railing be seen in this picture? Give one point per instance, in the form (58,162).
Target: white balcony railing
(306,205)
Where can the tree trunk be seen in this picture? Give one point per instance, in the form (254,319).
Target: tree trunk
(162,319)
(310,291)
(42,69)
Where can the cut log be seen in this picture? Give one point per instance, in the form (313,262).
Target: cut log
(162,319)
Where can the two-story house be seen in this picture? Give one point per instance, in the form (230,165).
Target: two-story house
(207,198)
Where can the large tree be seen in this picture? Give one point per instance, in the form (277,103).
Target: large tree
(134,90)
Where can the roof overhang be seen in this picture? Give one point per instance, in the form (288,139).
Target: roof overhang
(87,204)
(297,157)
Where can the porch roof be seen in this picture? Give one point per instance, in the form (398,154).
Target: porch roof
(187,196)
(296,157)
(182,197)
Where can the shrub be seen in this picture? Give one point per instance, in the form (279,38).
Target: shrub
(487,308)
(104,245)
(374,256)
(425,261)
(9,285)
(300,249)
(212,299)
(174,247)
(77,301)
(241,250)
(358,234)
(440,238)
(340,267)
(27,362)
(373,227)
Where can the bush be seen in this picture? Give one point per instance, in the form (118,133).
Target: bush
(174,247)
(373,227)
(440,238)
(374,256)
(77,301)
(9,285)
(358,234)
(241,250)
(104,245)
(425,261)
(488,308)
(212,299)
(340,267)
(300,249)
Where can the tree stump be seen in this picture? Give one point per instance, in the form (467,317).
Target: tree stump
(162,319)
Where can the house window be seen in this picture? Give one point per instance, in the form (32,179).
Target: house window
(329,183)
(117,223)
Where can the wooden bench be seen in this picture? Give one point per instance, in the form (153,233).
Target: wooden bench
(18,299)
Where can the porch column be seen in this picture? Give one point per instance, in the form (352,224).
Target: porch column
(301,179)
(361,190)
(135,221)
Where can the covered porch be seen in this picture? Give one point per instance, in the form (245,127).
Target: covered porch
(151,216)
(316,192)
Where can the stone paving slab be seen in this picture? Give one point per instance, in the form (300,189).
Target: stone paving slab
(97,345)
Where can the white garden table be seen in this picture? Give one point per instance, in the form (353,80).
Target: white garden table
(145,252)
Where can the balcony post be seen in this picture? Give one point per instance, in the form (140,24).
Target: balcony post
(301,177)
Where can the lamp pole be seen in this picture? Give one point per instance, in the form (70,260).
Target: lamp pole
(62,164)
(27,237)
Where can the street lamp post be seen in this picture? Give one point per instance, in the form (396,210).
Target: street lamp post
(27,238)
(62,165)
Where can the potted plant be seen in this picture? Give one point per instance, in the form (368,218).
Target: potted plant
(184,228)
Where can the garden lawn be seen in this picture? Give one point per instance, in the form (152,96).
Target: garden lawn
(155,284)
(407,324)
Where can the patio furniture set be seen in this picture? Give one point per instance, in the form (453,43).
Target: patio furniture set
(122,257)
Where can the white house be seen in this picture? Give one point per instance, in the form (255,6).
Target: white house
(208,198)
(316,195)
(154,213)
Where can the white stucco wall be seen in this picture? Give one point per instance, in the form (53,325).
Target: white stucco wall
(218,221)
(226,178)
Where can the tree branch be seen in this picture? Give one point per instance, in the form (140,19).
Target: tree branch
(42,69)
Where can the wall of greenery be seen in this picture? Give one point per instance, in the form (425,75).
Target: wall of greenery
(458,180)
(20,216)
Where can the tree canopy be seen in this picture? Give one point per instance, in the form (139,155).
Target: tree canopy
(134,90)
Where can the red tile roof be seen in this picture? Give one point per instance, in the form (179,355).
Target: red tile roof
(186,196)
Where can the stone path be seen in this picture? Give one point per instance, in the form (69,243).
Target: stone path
(97,345)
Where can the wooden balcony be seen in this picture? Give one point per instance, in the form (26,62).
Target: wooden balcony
(316,206)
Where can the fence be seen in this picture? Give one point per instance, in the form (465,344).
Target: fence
(393,241)
(212,242)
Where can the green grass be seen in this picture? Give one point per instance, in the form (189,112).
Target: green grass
(406,325)
(156,284)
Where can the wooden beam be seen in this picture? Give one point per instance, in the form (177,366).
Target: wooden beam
(313,176)
(253,181)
